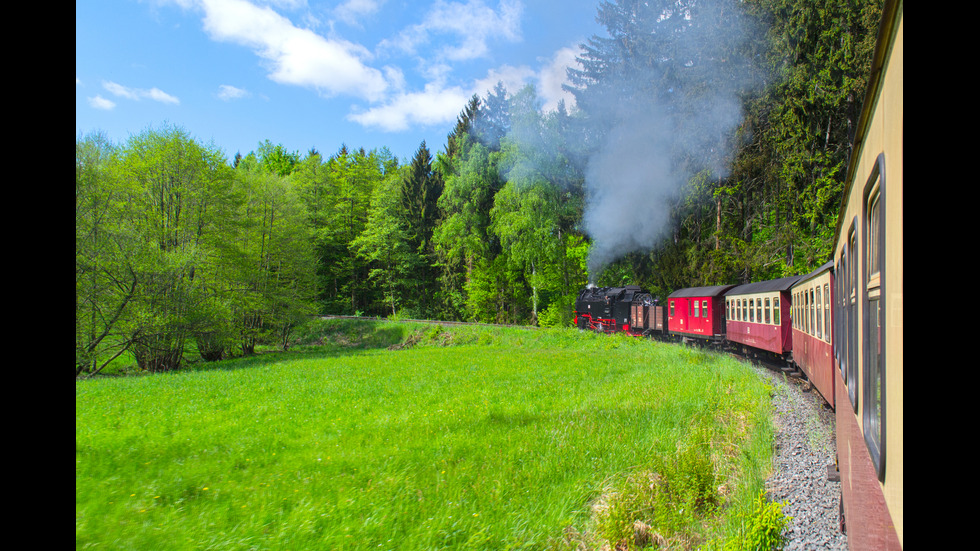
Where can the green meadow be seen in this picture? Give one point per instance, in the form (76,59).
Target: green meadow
(384,435)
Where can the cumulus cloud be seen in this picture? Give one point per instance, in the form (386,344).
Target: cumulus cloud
(455,30)
(513,79)
(439,104)
(295,55)
(136,94)
(553,75)
(474,24)
(434,105)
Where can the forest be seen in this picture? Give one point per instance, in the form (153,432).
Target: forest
(707,145)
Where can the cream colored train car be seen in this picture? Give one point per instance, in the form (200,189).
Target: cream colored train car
(868,317)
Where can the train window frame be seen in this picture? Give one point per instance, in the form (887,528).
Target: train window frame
(768,310)
(846,319)
(852,328)
(826,312)
(873,313)
(818,307)
(806,311)
(796,311)
(775,310)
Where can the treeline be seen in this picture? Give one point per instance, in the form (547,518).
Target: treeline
(179,248)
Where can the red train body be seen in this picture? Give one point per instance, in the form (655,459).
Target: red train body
(813,349)
(697,313)
(759,316)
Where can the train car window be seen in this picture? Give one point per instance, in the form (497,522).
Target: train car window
(704,307)
(873,371)
(775,311)
(851,299)
(806,311)
(795,312)
(826,312)
(671,308)
(840,348)
(768,311)
(752,310)
(819,308)
(697,309)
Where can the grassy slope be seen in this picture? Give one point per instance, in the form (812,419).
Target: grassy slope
(508,438)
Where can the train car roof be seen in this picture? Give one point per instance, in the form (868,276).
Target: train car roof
(712,291)
(781,284)
(829,266)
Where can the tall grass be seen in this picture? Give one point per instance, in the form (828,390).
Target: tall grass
(508,438)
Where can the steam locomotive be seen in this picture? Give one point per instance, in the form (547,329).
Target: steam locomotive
(627,309)
(842,324)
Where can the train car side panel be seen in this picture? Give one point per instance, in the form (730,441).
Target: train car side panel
(869,336)
(757,315)
(869,524)
(697,312)
(813,326)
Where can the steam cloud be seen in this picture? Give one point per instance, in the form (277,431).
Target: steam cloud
(654,136)
(654,143)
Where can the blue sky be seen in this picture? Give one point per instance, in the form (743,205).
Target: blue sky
(306,73)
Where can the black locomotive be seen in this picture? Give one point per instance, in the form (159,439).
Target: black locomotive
(627,309)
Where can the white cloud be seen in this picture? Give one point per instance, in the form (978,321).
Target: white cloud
(474,23)
(434,105)
(513,79)
(352,11)
(553,75)
(137,94)
(294,55)
(99,102)
(157,94)
(439,104)
(226,92)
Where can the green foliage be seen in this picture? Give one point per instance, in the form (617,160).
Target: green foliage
(761,528)
(177,253)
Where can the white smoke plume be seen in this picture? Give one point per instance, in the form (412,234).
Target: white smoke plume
(653,143)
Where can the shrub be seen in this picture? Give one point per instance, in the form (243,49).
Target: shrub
(762,528)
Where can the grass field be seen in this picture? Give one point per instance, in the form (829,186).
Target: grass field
(399,436)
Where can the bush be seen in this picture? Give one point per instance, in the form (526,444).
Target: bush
(762,528)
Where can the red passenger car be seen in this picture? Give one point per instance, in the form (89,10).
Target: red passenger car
(759,316)
(813,349)
(698,312)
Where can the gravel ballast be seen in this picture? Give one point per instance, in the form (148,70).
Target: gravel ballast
(805,448)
